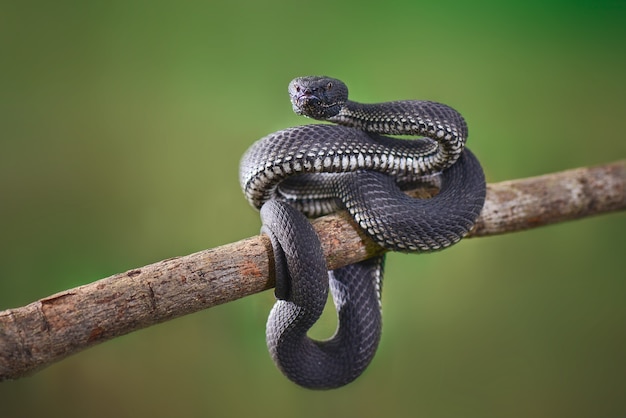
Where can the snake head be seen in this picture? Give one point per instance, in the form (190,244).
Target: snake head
(317,97)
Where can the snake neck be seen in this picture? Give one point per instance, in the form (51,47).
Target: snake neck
(442,124)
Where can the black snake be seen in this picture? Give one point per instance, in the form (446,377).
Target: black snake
(315,169)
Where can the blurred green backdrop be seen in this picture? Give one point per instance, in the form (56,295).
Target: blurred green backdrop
(122,124)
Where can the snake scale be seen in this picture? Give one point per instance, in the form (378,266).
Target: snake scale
(312,170)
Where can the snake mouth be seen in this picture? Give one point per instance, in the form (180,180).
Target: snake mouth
(307,100)
(308,105)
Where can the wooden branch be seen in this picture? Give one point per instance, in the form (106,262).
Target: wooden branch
(52,328)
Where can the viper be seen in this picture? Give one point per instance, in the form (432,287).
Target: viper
(312,170)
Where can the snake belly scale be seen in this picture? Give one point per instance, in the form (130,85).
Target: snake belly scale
(312,170)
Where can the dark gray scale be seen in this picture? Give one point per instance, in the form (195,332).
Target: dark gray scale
(316,169)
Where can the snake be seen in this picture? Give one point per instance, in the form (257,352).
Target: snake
(359,164)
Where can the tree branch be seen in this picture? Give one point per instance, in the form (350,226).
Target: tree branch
(52,328)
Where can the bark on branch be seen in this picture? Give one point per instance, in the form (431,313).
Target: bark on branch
(52,328)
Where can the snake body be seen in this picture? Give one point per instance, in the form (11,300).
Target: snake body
(314,169)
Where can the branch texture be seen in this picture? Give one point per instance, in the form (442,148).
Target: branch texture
(52,328)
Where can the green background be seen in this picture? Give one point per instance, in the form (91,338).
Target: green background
(121,128)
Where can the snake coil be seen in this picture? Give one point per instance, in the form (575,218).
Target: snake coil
(313,170)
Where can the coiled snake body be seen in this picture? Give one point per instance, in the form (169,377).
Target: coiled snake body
(312,170)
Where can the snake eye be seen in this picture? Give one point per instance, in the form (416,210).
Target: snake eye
(297,88)
(329,86)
